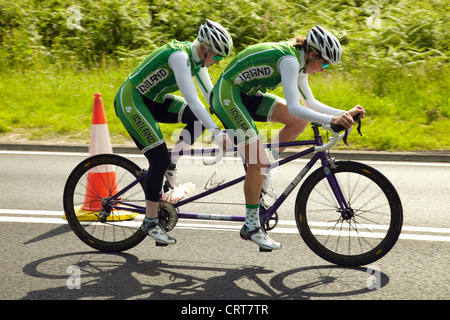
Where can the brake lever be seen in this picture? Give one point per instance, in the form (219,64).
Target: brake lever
(345,137)
(359,127)
(357,119)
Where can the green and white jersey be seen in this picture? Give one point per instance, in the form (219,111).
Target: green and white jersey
(255,70)
(154,78)
(257,67)
(166,70)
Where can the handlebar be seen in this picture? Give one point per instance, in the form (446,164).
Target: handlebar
(216,159)
(339,128)
(333,128)
(335,131)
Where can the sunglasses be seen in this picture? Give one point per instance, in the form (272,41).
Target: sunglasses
(217,58)
(319,56)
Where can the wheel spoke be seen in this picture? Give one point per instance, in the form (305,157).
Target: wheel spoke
(358,236)
(87,191)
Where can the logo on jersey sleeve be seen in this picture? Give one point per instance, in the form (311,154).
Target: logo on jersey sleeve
(152,80)
(256,72)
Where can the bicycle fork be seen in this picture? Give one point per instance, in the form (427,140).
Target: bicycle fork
(345,210)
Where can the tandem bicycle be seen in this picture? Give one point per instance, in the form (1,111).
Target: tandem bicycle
(346,212)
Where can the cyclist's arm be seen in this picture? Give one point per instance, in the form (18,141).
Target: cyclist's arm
(308,99)
(204,83)
(180,64)
(289,68)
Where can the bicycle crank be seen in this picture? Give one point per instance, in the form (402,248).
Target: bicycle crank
(271,223)
(167,215)
(273,220)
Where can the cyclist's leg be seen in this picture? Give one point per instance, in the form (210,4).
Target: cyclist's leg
(140,123)
(145,131)
(229,108)
(237,120)
(262,107)
(257,161)
(159,161)
(293,126)
(175,110)
(266,107)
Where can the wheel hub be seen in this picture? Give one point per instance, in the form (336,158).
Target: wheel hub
(347,214)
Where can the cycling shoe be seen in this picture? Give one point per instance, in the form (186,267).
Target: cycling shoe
(260,237)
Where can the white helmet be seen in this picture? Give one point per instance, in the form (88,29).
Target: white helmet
(326,43)
(217,37)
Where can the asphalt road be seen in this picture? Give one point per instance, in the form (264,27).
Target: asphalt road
(42,259)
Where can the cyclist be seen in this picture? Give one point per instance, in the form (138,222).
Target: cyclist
(239,98)
(144,99)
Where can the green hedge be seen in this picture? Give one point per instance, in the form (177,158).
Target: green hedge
(395,59)
(373,33)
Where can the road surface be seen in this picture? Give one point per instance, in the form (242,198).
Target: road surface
(43,259)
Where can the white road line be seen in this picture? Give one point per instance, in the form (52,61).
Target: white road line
(45,153)
(188,158)
(33,220)
(284,226)
(32,212)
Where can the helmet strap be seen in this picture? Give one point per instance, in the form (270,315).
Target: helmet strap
(307,60)
(307,50)
(204,59)
(206,53)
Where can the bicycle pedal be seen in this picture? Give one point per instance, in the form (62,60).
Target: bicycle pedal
(261,249)
(160,244)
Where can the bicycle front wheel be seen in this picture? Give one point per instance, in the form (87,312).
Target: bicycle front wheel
(86,196)
(367,230)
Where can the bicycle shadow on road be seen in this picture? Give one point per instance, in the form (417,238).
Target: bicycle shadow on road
(103,276)
(62,229)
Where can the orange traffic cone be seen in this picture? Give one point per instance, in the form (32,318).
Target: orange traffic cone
(100,140)
(103,182)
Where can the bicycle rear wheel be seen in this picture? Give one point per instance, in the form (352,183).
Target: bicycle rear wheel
(86,196)
(367,230)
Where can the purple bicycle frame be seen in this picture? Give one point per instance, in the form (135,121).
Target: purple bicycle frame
(266,216)
(270,211)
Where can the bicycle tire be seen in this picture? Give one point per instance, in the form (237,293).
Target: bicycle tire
(375,204)
(82,199)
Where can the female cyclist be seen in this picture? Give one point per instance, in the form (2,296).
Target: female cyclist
(239,98)
(144,100)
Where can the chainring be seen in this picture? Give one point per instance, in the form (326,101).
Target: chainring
(272,222)
(168,216)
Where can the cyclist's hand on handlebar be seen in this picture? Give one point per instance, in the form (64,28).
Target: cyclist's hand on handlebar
(345,120)
(357,110)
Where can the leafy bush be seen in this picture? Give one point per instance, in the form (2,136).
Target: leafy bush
(398,32)
(395,55)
